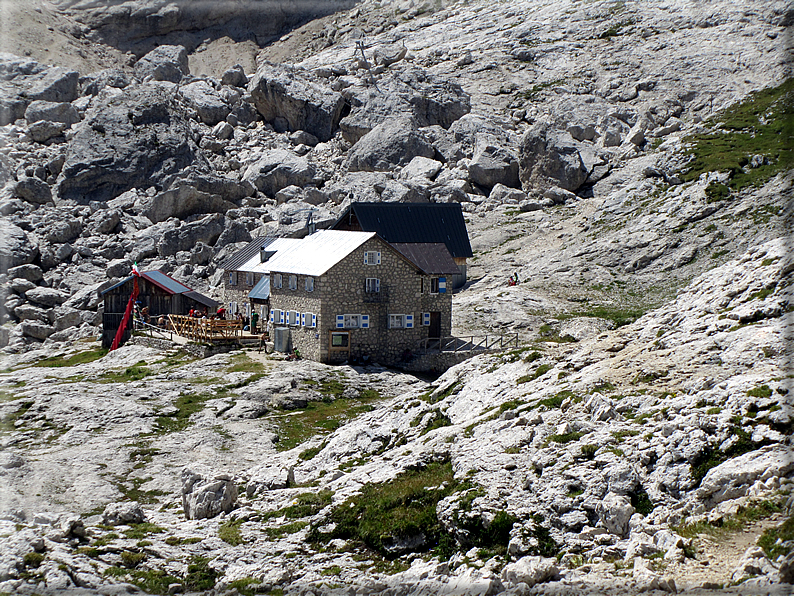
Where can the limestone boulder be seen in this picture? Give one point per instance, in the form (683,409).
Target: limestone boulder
(207,494)
(297,98)
(51,111)
(24,81)
(392,143)
(16,248)
(269,477)
(116,514)
(46,296)
(530,571)
(615,511)
(185,237)
(492,163)
(164,63)
(206,101)
(136,138)
(550,157)
(95,82)
(181,201)
(36,329)
(33,190)
(277,169)
(234,76)
(410,92)
(32,273)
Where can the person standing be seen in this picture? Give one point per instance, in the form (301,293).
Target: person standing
(254,321)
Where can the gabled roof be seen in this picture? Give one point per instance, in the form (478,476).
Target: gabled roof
(248,259)
(169,285)
(316,254)
(432,258)
(411,223)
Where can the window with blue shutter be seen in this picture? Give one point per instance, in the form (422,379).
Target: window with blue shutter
(409,321)
(372,257)
(365,321)
(314,320)
(272,320)
(425,319)
(442,285)
(340,321)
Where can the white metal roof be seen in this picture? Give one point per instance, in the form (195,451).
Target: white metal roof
(316,254)
(255,263)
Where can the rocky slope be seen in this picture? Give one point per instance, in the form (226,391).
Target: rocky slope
(635,173)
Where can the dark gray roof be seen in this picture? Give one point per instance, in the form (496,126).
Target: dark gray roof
(431,257)
(158,278)
(243,255)
(410,223)
(202,299)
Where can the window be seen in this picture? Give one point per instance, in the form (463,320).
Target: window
(434,285)
(309,319)
(372,285)
(293,317)
(401,321)
(293,282)
(340,340)
(249,278)
(232,308)
(425,319)
(277,280)
(310,284)
(352,321)
(232,278)
(372,257)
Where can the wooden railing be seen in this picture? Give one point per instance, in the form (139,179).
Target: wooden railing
(204,329)
(468,343)
(142,326)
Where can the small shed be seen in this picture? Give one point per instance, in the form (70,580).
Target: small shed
(161,293)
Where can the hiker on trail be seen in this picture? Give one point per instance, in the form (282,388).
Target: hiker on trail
(254,321)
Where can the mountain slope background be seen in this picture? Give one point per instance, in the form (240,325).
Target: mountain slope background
(629,161)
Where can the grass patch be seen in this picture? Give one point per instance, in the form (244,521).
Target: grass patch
(760,125)
(745,515)
(229,532)
(73,360)
(281,531)
(138,531)
(565,438)
(778,540)
(762,391)
(245,585)
(132,559)
(318,418)
(711,457)
(130,374)
(437,421)
(383,514)
(304,505)
(186,405)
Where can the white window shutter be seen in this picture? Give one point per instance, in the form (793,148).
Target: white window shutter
(409,321)
(303,319)
(425,319)
(366,257)
(377,286)
(340,321)
(314,320)
(442,285)
(365,321)
(272,320)
(377,262)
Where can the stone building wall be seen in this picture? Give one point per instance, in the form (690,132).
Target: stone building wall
(238,293)
(342,292)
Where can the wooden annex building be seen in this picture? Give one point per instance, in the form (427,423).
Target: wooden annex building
(161,293)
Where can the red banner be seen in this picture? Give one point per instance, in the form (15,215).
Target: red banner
(127,312)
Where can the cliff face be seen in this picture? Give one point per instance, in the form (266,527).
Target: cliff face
(630,162)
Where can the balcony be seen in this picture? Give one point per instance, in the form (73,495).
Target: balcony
(379,297)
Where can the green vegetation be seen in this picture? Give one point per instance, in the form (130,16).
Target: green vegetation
(565,438)
(291,528)
(619,315)
(778,540)
(33,559)
(304,505)
(761,391)
(622,434)
(8,423)
(151,581)
(437,421)
(200,576)
(401,508)
(175,541)
(138,531)
(760,125)
(744,515)
(186,405)
(130,488)
(319,418)
(229,532)
(533,93)
(556,400)
(244,586)
(132,373)
(132,559)
(451,390)
(589,451)
(74,359)
(717,191)
(641,502)
(712,457)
